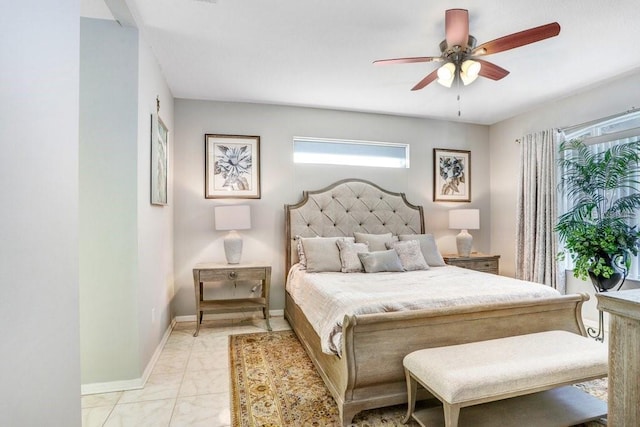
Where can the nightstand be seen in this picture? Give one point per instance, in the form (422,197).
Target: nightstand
(231,274)
(477,261)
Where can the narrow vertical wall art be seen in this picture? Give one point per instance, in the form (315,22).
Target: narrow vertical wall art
(159,161)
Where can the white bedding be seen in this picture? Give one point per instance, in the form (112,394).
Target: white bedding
(326,298)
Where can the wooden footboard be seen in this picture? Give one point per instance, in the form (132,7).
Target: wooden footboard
(370,374)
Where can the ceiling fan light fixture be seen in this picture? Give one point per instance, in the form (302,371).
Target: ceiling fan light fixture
(446,74)
(471,67)
(469,71)
(459,50)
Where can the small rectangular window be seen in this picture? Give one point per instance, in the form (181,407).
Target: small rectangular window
(350,153)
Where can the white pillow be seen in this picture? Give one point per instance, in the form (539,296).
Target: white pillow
(377,242)
(349,256)
(428,248)
(410,255)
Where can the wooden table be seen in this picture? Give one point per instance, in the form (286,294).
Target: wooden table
(476,261)
(624,355)
(231,274)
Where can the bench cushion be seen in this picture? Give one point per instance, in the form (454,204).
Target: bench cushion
(492,368)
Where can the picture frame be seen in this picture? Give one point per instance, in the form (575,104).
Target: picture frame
(451,175)
(232,166)
(159,161)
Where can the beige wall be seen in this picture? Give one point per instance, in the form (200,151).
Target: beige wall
(283,182)
(608,98)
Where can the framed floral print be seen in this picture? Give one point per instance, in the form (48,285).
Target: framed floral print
(159,161)
(232,167)
(452,175)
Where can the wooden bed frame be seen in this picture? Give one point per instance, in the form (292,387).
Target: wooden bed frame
(370,373)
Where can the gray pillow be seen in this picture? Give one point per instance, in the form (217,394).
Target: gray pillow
(322,253)
(379,261)
(349,255)
(377,242)
(428,248)
(410,255)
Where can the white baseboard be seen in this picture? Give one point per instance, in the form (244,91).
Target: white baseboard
(111,386)
(222,316)
(133,384)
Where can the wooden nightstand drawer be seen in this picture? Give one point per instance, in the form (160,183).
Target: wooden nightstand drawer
(477,262)
(232,274)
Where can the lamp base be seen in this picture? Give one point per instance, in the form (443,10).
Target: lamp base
(233,247)
(464,240)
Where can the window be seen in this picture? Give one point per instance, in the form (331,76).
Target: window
(350,153)
(600,136)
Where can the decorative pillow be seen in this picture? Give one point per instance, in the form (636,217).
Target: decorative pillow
(322,253)
(377,242)
(302,259)
(349,255)
(428,248)
(410,255)
(379,261)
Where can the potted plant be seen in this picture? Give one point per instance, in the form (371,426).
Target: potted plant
(604,193)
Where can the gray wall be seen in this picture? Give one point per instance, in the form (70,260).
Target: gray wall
(108,232)
(126,246)
(39,228)
(608,98)
(283,182)
(155,223)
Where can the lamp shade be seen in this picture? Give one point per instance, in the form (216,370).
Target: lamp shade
(236,217)
(464,219)
(469,71)
(446,74)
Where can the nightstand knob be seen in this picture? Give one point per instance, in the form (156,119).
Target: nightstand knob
(232,275)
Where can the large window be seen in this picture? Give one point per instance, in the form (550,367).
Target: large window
(350,153)
(599,136)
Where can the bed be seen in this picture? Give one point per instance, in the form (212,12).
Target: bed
(366,370)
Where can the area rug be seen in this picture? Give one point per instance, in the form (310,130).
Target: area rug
(274,384)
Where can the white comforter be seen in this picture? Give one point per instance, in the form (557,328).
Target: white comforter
(326,298)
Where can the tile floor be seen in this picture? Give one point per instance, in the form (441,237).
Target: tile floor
(189,385)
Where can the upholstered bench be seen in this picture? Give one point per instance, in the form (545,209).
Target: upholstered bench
(489,371)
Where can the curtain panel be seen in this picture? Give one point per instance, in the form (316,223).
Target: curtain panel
(537,212)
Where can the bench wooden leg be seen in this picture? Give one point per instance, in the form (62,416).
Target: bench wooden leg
(451,414)
(412,388)
(346,415)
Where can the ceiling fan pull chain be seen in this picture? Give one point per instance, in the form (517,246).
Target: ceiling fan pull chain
(458,97)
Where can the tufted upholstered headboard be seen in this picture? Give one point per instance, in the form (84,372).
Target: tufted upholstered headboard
(347,206)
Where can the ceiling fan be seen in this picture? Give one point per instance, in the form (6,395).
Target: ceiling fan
(461,55)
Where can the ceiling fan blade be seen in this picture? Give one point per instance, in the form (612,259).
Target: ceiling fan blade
(491,70)
(408,60)
(428,79)
(521,38)
(456,26)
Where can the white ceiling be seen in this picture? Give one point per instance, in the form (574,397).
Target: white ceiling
(319,53)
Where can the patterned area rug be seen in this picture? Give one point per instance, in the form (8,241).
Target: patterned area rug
(274,384)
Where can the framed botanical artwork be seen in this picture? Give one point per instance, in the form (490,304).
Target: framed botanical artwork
(232,167)
(159,161)
(452,175)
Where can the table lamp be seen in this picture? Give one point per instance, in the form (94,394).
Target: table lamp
(233,218)
(463,220)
